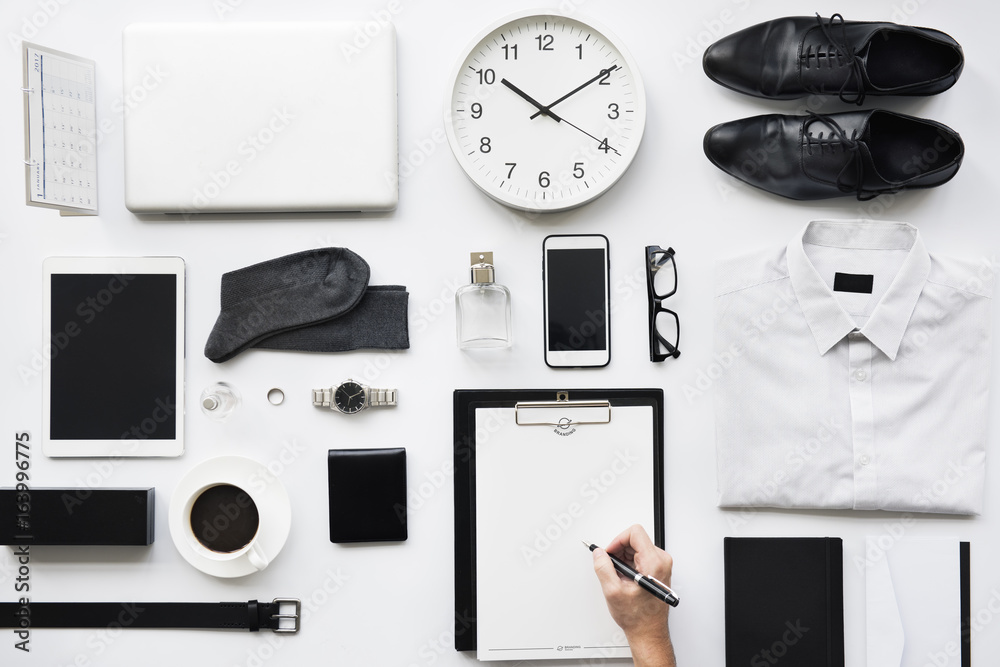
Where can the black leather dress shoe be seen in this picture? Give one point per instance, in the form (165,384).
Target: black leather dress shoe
(865,153)
(797,56)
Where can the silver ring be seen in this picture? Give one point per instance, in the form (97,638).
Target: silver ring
(275,396)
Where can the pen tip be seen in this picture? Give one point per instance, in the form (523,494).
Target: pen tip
(585,543)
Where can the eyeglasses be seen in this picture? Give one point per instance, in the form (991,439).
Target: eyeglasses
(661,284)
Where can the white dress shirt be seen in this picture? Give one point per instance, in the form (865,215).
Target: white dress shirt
(850,399)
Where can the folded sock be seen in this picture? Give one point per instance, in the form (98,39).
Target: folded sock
(301,300)
(378,322)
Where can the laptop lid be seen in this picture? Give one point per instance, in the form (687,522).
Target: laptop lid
(259,117)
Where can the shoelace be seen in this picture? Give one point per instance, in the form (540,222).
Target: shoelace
(843,48)
(852,146)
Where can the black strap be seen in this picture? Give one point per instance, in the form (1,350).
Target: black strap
(965,576)
(252,615)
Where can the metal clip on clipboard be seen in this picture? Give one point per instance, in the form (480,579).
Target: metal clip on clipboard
(562,412)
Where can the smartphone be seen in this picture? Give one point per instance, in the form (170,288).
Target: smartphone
(575,281)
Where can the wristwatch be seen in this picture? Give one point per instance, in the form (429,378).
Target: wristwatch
(350,397)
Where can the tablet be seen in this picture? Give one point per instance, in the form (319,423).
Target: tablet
(114,339)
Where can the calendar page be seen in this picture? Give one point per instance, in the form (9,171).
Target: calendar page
(61,131)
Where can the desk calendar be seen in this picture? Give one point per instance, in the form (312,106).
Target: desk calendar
(60,131)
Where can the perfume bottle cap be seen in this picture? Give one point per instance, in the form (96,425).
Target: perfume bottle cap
(482,267)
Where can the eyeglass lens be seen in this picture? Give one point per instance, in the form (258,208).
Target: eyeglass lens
(664,273)
(666,326)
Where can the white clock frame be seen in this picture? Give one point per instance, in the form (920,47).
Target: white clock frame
(569,152)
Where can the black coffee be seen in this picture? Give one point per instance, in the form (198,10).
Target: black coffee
(224,518)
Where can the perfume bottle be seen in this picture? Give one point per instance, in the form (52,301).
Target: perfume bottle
(482,309)
(219,401)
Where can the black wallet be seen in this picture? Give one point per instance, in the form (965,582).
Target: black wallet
(367,495)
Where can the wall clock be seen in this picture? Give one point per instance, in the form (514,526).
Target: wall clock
(546,112)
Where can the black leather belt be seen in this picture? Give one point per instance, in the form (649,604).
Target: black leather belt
(252,615)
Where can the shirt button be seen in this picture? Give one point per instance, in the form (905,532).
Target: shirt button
(864,460)
(860,375)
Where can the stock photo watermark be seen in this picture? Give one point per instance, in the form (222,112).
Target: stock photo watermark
(290,452)
(423,316)
(796,459)
(792,633)
(381,19)
(249,148)
(87,310)
(711,29)
(753,328)
(590,492)
(22,553)
(434,648)
(32,24)
(434,480)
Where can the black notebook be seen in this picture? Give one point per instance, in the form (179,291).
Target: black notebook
(784,601)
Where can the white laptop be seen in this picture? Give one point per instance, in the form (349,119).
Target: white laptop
(259,117)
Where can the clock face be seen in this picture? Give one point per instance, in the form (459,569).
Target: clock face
(349,397)
(546,112)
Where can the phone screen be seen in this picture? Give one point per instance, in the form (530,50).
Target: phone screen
(576,299)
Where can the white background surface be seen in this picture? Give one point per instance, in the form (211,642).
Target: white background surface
(392,604)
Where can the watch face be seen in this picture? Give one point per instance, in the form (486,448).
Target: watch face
(546,112)
(349,397)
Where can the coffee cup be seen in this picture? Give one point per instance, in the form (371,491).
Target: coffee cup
(223,523)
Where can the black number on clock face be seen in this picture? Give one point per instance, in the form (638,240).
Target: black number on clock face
(543,179)
(605,79)
(545,42)
(511,165)
(509,50)
(486,76)
(613,111)
(484,145)
(477,110)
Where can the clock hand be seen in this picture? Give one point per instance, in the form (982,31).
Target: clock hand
(547,109)
(548,112)
(531,100)
(590,135)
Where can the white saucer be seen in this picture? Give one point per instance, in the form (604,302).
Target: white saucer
(268,494)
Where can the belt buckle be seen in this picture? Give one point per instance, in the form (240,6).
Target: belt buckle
(279,616)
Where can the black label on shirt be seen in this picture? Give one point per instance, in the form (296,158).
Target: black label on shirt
(853,282)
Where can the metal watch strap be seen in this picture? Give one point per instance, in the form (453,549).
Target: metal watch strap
(378,398)
(252,615)
(323,398)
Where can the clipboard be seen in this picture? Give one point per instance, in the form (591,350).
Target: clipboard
(484,416)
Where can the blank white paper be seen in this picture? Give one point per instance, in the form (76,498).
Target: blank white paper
(540,490)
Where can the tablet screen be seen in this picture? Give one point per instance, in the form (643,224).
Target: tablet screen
(115,338)
(115,379)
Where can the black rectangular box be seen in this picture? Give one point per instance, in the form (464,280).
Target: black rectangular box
(77,517)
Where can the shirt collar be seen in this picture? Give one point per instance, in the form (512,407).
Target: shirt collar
(827,320)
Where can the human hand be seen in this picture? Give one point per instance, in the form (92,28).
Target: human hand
(642,616)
